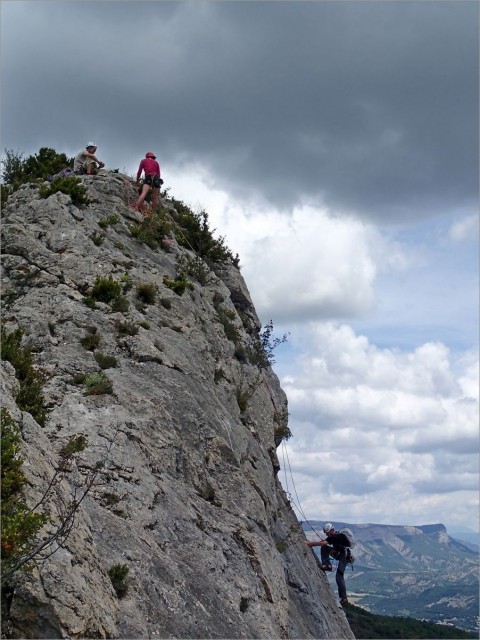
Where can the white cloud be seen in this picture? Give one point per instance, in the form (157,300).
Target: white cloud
(382,434)
(306,265)
(464,229)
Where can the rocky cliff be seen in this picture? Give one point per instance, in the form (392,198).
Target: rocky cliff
(181,425)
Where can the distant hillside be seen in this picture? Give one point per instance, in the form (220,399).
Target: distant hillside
(415,571)
(369,625)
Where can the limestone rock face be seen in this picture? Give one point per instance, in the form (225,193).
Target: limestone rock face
(188,496)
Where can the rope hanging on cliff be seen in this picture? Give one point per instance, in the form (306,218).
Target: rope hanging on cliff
(296,504)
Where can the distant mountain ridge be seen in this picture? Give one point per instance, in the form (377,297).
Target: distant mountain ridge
(417,571)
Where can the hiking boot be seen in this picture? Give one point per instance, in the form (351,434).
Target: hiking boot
(326,567)
(343,601)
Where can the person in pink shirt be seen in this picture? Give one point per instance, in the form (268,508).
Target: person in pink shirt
(152,180)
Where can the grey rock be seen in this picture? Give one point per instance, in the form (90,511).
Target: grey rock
(188,496)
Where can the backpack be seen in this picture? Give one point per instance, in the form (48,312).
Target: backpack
(63,173)
(349,536)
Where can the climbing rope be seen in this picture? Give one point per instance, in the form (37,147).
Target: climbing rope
(296,503)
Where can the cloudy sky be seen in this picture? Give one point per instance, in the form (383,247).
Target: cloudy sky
(335,145)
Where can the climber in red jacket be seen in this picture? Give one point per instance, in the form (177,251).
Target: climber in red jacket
(151,181)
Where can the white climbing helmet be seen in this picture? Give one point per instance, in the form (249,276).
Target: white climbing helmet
(328,526)
(90,144)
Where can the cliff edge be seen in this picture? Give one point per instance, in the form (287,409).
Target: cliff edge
(181,438)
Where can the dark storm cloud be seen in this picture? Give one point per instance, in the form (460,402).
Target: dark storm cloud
(365,106)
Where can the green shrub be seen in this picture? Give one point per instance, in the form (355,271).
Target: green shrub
(105,361)
(97,384)
(97,238)
(127,282)
(194,232)
(110,499)
(5,192)
(178,285)
(90,302)
(118,575)
(79,378)
(30,397)
(105,289)
(19,525)
(145,324)
(104,223)
(152,230)
(261,354)
(146,292)
(230,329)
(127,329)
(120,304)
(194,267)
(90,341)
(72,186)
(76,444)
(282,430)
(40,166)
(166,303)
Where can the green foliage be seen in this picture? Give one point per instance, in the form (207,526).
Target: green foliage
(369,625)
(282,546)
(97,384)
(104,223)
(105,361)
(145,324)
(110,499)
(79,378)
(178,285)
(166,303)
(194,233)
(146,292)
(5,193)
(127,282)
(105,289)
(118,575)
(76,444)
(13,172)
(152,230)
(261,354)
(17,170)
(282,432)
(120,304)
(194,267)
(19,525)
(231,331)
(30,397)
(72,186)
(97,238)
(91,341)
(127,329)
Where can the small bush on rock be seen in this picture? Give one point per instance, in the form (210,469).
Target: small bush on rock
(105,361)
(91,341)
(118,575)
(104,223)
(146,292)
(105,289)
(97,384)
(178,285)
(71,186)
(30,397)
(127,329)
